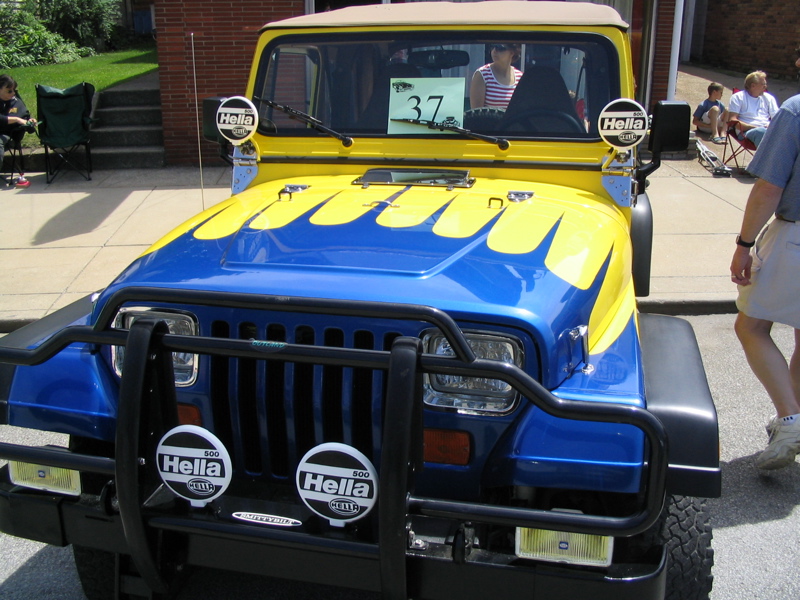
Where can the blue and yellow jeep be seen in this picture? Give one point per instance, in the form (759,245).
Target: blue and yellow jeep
(405,356)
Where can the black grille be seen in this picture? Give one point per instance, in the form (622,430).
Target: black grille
(270,413)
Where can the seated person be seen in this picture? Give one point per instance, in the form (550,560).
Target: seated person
(753,107)
(493,84)
(710,115)
(14,116)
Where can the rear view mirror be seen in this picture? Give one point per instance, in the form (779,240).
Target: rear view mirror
(439,59)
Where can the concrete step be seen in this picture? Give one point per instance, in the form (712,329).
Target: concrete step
(127,135)
(125,97)
(133,157)
(127,115)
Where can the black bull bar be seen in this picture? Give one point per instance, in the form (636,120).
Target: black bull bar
(147,395)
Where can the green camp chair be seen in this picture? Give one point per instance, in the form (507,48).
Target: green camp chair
(64,119)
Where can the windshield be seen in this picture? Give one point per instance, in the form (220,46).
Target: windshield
(537,85)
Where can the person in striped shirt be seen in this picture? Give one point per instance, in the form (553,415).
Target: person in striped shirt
(493,84)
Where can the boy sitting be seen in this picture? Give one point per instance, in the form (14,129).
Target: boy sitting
(710,115)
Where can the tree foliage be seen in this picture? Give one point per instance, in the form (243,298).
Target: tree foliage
(85,22)
(25,41)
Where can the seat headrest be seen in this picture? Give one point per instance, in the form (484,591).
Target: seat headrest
(540,87)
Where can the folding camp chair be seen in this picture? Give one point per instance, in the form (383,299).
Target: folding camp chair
(64,119)
(737,147)
(13,167)
(13,162)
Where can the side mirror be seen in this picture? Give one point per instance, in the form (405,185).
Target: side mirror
(669,131)
(210,107)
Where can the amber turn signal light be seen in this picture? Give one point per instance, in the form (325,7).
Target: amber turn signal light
(189,414)
(447,447)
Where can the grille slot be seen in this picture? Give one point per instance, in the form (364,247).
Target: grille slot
(270,413)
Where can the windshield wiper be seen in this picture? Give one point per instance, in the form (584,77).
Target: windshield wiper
(445,126)
(309,120)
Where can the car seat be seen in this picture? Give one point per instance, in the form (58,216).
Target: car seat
(376,114)
(542,103)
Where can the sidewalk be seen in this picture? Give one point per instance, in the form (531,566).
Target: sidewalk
(62,241)
(697,216)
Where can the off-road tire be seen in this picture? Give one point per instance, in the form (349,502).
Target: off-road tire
(96,570)
(685,528)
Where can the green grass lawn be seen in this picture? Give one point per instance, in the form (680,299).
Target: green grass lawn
(102,71)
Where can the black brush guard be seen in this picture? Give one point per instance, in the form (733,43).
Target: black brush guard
(147,396)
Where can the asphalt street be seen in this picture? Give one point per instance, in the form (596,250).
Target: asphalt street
(756,522)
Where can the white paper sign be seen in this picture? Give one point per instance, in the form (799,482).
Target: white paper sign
(439,99)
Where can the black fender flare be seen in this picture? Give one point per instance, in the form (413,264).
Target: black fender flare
(642,242)
(677,393)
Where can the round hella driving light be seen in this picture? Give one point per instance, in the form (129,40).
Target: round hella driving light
(478,395)
(184,364)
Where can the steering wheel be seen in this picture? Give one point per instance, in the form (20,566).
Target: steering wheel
(485,117)
(554,121)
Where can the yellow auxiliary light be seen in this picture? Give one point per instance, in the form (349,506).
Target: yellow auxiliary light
(564,547)
(42,477)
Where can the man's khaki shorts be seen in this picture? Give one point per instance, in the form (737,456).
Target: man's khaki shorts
(774,292)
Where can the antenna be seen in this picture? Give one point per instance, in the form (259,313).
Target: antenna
(197,117)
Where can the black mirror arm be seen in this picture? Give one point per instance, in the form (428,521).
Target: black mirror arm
(644,171)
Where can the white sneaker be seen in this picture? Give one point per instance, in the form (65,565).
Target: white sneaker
(773,423)
(784,445)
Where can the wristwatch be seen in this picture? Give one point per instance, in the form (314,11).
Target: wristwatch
(742,243)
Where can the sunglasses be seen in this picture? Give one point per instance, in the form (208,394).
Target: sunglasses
(500,47)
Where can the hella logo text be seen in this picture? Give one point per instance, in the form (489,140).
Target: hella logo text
(345,507)
(201,467)
(224,118)
(201,487)
(341,486)
(613,124)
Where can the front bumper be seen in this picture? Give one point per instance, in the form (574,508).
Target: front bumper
(394,567)
(209,541)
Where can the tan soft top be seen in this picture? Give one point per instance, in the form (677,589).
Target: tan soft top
(500,12)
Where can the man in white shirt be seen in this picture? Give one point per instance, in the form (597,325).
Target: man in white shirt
(753,107)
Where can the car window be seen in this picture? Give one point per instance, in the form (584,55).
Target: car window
(420,85)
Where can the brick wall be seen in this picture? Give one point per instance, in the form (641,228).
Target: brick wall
(750,35)
(225,36)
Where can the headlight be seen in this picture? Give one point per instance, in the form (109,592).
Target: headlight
(473,394)
(183,363)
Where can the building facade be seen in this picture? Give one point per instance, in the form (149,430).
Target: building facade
(749,35)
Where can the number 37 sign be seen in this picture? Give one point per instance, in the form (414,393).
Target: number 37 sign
(425,99)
